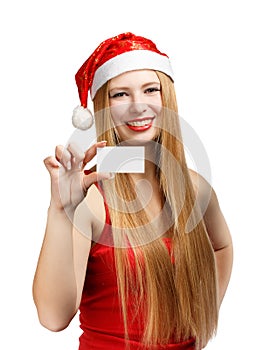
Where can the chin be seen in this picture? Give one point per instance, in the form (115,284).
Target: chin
(136,142)
(139,140)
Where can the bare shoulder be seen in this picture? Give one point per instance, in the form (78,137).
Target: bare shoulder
(89,217)
(95,204)
(94,199)
(215,222)
(205,194)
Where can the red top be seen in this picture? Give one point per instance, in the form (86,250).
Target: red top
(100,310)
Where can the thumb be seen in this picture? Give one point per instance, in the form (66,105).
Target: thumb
(91,177)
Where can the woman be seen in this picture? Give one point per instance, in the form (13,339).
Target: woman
(141,255)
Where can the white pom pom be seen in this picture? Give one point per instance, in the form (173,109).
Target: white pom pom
(82,118)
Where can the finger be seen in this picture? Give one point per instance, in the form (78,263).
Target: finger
(91,152)
(77,155)
(63,156)
(51,163)
(91,178)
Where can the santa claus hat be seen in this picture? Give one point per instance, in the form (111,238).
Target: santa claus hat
(122,53)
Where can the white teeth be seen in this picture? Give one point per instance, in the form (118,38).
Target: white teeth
(140,123)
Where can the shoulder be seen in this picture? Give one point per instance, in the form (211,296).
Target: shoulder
(89,217)
(96,210)
(204,192)
(213,217)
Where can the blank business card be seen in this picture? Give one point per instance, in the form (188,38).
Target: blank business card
(121,159)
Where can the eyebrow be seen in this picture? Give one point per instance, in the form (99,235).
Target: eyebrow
(127,88)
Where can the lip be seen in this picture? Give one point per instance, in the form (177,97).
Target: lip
(143,127)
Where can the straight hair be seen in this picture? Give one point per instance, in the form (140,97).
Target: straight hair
(173,295)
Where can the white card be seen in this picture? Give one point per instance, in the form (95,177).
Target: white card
(121,159)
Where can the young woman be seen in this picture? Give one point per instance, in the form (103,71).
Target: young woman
(145,257)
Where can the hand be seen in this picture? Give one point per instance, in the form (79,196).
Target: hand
(69,182)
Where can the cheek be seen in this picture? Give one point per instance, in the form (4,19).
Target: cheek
(118,112)
(157,109)
(157,105)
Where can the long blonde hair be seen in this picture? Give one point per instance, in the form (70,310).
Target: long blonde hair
(174,295)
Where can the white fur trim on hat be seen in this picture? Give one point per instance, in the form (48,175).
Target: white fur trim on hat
(128,61)
(82,118)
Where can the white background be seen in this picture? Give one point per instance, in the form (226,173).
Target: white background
(220,52)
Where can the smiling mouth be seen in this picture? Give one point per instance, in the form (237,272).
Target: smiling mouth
(140,124)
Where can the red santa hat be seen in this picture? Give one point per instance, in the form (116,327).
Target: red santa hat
(122,53)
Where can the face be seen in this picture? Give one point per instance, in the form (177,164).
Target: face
(135,103)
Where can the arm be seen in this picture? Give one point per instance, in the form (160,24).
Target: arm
(54,286)
(217,229)
(222,243)
(59,276)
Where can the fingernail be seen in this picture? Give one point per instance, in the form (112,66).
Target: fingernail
(69,165)
(80,165)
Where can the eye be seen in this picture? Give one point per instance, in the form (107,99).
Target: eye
(152,90)
(118,94)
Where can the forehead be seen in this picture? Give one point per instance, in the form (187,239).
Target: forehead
(135,77)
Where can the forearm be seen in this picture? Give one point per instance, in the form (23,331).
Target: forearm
(224,259)
(54,287)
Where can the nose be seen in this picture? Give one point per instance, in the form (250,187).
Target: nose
(137,108)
